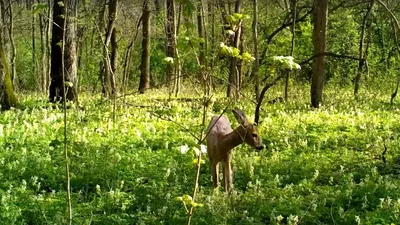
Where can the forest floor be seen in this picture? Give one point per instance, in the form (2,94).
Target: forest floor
(324,166)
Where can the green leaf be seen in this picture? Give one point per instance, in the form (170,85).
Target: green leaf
(230,19)
(247,57)
(69,84)
(230,32)
(39,7)
(169,60)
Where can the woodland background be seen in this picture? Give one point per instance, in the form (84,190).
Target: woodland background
(142,80)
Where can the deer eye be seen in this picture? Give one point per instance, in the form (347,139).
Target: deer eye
(254,135)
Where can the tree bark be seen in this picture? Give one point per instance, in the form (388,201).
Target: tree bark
(157,5)
(102,30)
(170,30)
(48,43)
(33,41)
(109,73)
(211,19)
(128,54)
(200,32)
(233,80)
(256,67)
(293,28)
(56,86)
(43,51)
(13,49)
(5,20)
(145,62)
(8,98)
(361,50)
(320,19)
(114,61)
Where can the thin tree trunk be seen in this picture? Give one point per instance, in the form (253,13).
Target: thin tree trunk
(200,32)
(128,54)
(145,63)
(48,43)
(170,30)
(109,73)
(240,61)
(294,13)
(320,14)
(361,50)
(211,17)
(157,5)
(394,94)
(224,22)
(207,75)
(101,28)
(43,58)
(33,37)
(114,61)
(256,67)
(232,90)
(177,62)
(13,48)
(44,25)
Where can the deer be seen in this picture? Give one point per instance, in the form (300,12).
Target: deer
(222,139)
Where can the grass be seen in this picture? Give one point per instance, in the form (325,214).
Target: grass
(321,166)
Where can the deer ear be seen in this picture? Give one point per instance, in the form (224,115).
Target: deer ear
(240,116)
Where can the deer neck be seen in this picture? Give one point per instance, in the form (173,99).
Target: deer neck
(233,139)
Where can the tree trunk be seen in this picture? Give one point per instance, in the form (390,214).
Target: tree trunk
(256,56)
(157,5)
(145,63)
(43,51)
(293,28)
(128,54)
(13,49)
(33,39)
(211,19)
(177,62)
(48,43)
(320,19)
(5,20)
(224,22)
(170,31)
(45,24)
(361,50)
(8,98)
(109,74)
(114,61)
(56,86)
(233,79)
(101,29)
(396,41)
(200,31)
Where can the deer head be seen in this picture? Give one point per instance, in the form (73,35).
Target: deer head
(248,131)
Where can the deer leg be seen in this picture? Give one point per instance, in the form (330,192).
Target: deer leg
(223,175)
(215,172)
(228,177)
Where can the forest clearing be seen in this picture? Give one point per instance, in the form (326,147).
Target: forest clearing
(199,112)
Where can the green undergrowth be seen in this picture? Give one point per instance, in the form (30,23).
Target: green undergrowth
(324,166)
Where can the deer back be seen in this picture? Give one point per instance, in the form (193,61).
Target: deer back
(218,129)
